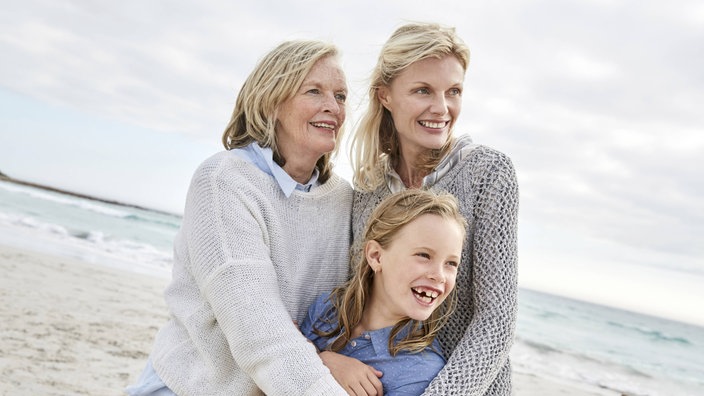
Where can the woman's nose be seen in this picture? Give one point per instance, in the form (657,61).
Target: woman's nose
(331,104)
(439,105)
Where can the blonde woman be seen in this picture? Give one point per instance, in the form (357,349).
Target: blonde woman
(405,140)
(265,230)
(400,294)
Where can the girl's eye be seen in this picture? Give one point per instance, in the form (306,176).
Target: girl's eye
(341,98)
(453,263)
(424,255)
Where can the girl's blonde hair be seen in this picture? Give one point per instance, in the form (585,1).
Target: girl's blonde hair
(375,142)
(275,79)
(392,214)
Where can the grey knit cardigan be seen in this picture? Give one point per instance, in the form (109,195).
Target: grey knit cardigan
(477,339)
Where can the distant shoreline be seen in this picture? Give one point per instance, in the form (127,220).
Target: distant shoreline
(6,178)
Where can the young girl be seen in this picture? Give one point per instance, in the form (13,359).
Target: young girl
(388,314)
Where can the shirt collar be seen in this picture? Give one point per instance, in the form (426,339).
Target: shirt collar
(393,180)
(263,158)
(461,148)
(380,337)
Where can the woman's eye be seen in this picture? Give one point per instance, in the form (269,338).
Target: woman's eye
(313,91)
(423,91)
(424,255)
(455,92)
(341,98)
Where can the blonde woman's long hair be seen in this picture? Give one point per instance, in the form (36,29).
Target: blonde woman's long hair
(392,214)
(375,142)
(275,79)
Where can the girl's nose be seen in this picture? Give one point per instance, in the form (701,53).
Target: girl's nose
(437,273)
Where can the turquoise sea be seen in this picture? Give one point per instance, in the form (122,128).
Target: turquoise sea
(613,351)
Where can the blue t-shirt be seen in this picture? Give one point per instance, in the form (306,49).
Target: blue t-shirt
(404,374)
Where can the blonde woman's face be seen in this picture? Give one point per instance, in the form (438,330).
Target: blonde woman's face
(310,121)
(425,100)
(417,271)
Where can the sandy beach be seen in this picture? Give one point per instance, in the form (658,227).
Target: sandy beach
(74,328)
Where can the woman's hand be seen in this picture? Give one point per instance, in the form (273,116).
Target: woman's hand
(355,377)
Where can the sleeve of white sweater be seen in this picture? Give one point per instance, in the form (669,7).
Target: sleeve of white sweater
(230,258)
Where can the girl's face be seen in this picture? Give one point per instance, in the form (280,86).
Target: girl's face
(309,122)
(416,272)
(425,100)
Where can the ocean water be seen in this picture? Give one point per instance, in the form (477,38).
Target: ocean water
(97,232)
(611,351)
(616,351)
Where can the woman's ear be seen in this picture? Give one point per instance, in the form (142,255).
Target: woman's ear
(372,252)
(382,93)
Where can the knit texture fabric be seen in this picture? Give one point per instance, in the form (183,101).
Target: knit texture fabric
(247,262)
(478,337)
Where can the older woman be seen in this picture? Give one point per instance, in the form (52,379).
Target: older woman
(405,140)
(266,229)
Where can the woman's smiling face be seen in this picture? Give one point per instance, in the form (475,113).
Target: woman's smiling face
(309,122)
(425,100)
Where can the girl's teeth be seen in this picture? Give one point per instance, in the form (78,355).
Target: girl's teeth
(426,296)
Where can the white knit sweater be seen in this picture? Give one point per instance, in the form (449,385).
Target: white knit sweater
(247,262)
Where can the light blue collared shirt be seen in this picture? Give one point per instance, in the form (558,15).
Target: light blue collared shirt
(263,158)
(406,374)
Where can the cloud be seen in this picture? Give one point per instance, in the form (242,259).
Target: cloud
(597,102)
(162,66)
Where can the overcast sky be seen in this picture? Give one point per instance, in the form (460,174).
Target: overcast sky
(598,103)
